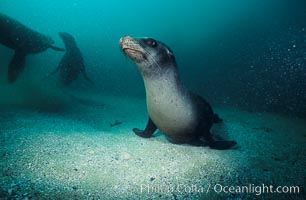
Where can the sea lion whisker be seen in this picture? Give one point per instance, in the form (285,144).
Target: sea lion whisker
(152,59)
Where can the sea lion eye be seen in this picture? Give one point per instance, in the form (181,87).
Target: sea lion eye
(152,42)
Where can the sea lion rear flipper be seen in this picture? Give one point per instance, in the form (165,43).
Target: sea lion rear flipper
(219,144)
(16,66)
(57,48)
(85,75)
(216,119)
(222,145)
(148,132)
(87,78)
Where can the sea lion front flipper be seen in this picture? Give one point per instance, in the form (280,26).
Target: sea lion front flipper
(148,132)
(85,75)
(57,48)
(16,66)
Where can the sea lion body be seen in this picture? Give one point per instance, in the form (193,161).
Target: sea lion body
(72,64)
(165,101)
(24,41)
(184,117)
(17,36)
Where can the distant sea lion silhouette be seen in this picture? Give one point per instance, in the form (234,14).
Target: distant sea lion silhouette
(184,117)
(24,41)
(72,64)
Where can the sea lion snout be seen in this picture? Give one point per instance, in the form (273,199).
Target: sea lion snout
(133,49)
(128,42)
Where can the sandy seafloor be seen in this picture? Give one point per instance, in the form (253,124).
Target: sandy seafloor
(72,152)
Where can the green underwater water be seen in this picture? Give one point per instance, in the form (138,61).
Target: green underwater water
(247,58)
(244,53)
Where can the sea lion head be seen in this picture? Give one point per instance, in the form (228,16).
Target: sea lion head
(68,40)
(151,56)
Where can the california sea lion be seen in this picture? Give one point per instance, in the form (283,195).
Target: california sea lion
(184,117)
(24,41)
(72,64)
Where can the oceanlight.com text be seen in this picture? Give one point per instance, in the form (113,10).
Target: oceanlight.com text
(219,188)
(256,189)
